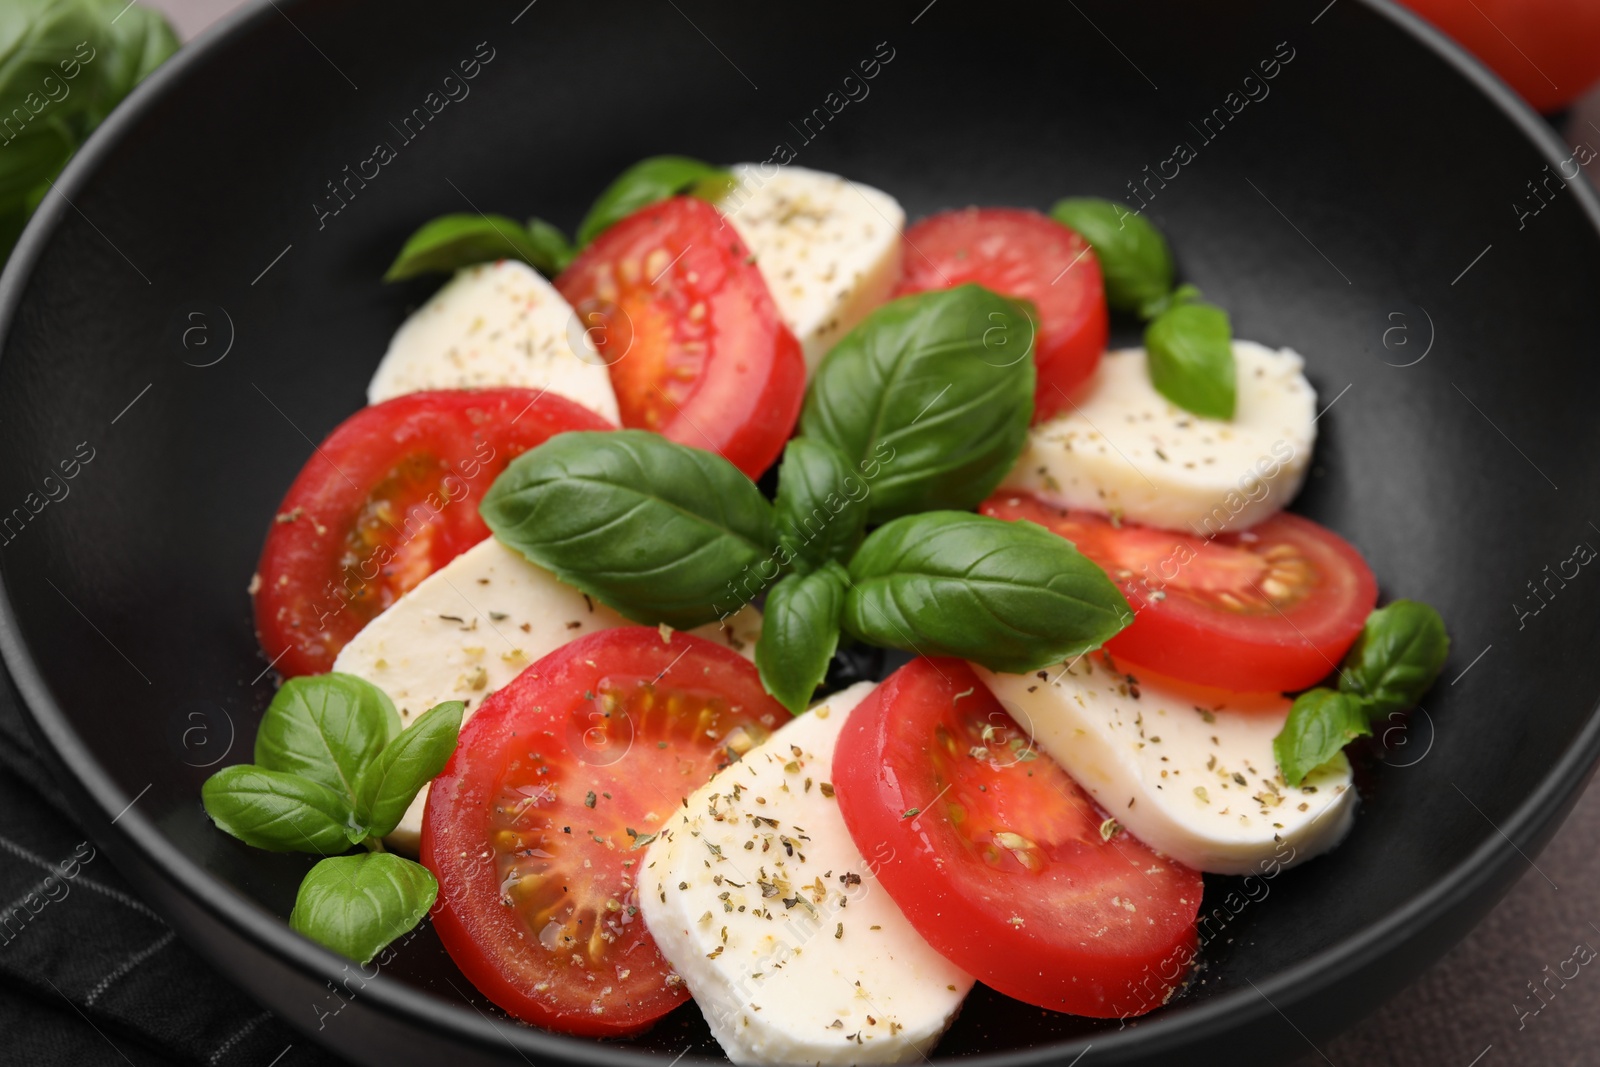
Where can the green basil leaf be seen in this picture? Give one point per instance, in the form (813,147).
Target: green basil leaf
(799,633)
(391,782)
(1321,722)
(1010,595)
(1134,257)
(356,905)
(646,182)
(326,727)
(822,509)
(451,242)
(929,398)
(1190,353)
(278,811)
(1401,650)
(656,530)
(552,243)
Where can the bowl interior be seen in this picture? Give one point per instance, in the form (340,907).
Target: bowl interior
(210,304)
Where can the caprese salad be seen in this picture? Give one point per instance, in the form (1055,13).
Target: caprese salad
(540,629)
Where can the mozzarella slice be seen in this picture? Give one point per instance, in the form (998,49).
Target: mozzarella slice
(496,324)
(473,625)
(1189,777)
(795,954)
(1122,448)
(828,248)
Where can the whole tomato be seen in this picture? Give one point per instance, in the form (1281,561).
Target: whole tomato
(1547,50)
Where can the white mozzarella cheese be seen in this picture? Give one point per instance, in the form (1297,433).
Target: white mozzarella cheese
(1123,448)
(496,324)
(472,626)
(757,896)
(1189,776)
(828,248)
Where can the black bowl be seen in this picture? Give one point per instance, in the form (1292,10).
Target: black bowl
(191,313)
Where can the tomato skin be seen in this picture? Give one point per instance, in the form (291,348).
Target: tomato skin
(1178,583)
(1002,862)
(1548,50)
(581,780)
(1021,254)
(683,318)
(437,453)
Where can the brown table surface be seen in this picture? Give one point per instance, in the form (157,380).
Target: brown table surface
(1475,1007)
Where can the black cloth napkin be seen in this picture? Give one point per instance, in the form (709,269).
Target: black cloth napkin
(88,973)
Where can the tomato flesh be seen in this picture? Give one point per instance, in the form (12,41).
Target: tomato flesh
(535,829)
(1026,255)
(676,307)
(387,499)
(1000,860)
(1271,608)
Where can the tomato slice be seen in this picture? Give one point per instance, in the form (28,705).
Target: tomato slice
(534,829)
(387,499)
(1026,255)
(1000,860)
(674,303)
(1274,607)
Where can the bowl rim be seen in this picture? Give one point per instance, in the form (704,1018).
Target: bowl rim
(1483,866)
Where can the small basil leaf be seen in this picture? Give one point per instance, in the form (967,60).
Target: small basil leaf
(799,633)
(656,530)
(391,782)
(821,503)
(552,243)
(279,812)
(1190,353)
(1134,257)
(451,242)
(929,398)
(646,182)
(1321,722)
(326,727)
(1401,650)
(1010,595)
(356,905)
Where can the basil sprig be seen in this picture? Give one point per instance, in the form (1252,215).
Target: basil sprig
(659,531)
(647,182)
(799,634)
(1134,257)
(1189,348)
(1401,650)
(1010,595)
(64,64)
(1188,345)
(334,770)
(924,405)
(451,242)
(938,389)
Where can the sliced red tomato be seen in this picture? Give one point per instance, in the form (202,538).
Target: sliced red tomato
(536,826)
(1026,255)
(390,497)
(999,859)
(1274,607)
(674,303)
